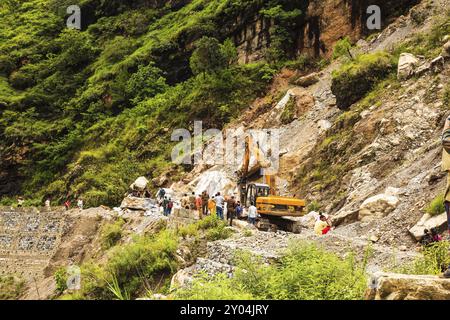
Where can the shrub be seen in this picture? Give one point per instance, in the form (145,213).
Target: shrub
(146,83)
(212,227)
(289,112)
(313,206)
(354,79)
(248,233)
(190,230)
(436,206)
(343,49)
(60,277)
(304,272)
(111,233)
(435,259)
(219,232)
(131,269)
(7,65)
(11,287)
(208,56)
(20,80)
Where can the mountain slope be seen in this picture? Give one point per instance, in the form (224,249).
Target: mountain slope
(84,112)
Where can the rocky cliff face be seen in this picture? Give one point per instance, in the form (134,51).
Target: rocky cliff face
(322,24)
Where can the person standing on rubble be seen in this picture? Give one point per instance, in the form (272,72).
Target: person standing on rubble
(165,205)
(20,202)
(219,205)
(169,207)
(231,209)
(198,204)
(446,167)
(161,194)
(205,199)
(212,206)
(192,201)
(238,209)
(252,214)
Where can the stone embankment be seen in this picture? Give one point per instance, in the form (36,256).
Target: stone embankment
(28,239)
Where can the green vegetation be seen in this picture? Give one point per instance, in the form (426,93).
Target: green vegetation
(356,78)
(289,112)
(427,44)
(305,272)
(89,110)
(281,35)
(144,265)
(343,49)
(211,228)
(60,277)
(11,288)
(436,206)
(434,260)
(111,233)
(313,206)
(131,269)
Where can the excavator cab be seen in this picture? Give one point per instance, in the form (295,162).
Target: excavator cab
(253,191)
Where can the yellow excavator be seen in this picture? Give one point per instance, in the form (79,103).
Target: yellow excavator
(260,189)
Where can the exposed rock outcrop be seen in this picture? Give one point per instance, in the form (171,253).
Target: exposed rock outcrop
(428,222)
(390,286)
(407,66)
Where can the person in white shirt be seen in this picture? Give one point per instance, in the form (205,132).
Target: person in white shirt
(252,214)
(219,205)
(47,204)
(80,204)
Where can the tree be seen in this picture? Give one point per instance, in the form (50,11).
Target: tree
(343,48)
(281,36)
(229,51)
(208,57)
(147,82)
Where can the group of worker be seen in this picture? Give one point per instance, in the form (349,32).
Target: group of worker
(47,203)
(205,205)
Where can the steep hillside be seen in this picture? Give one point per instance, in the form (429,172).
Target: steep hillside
(84,112)
(359,116)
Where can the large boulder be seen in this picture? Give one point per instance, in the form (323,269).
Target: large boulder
(391,286)
(140,184)
(355,79)
(180,279)
(406,66)
(344,217)
(307,80)
(428,222)
(446,50)
(135,203)
(377,207)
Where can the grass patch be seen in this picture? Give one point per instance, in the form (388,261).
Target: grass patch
(211,228)
(305,272)
(434,260)
(289,112)
(436,206)
(11,287)
(132,269)
(111,233)
(357,77)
